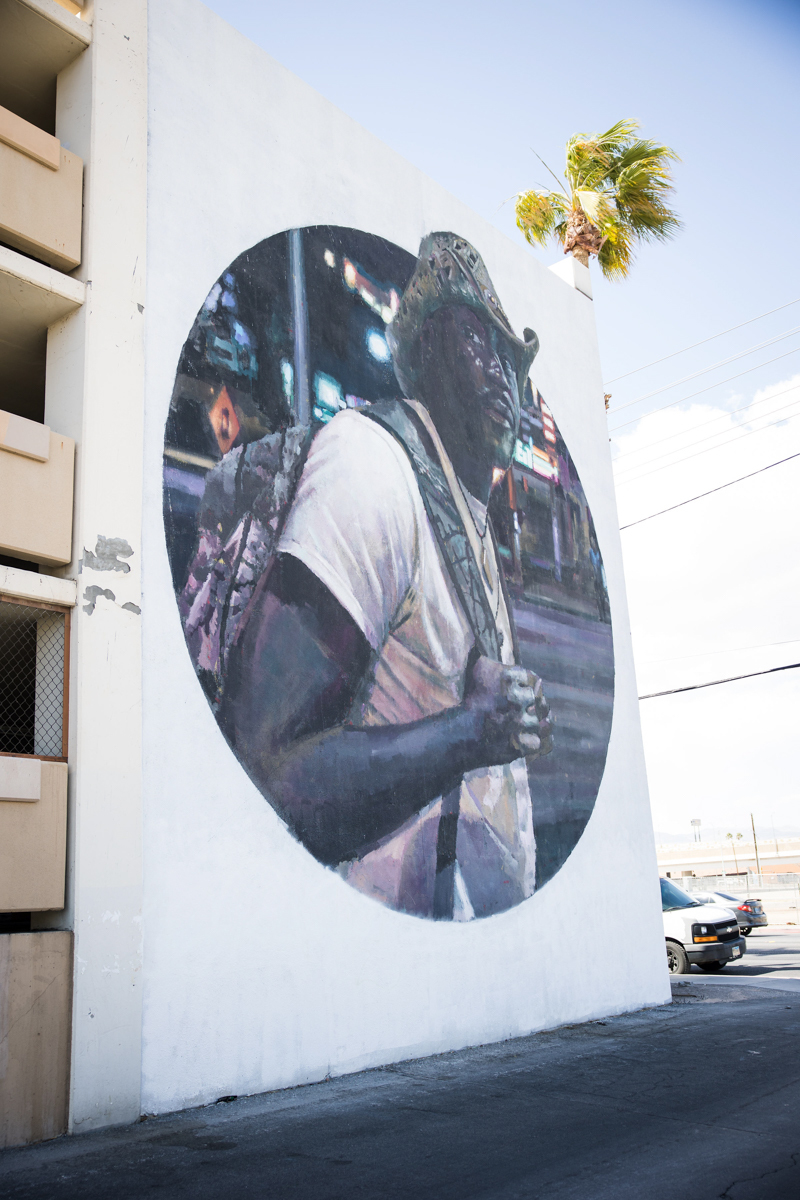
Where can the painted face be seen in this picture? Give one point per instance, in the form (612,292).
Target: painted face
(470,384)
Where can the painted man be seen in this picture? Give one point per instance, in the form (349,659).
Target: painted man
(374,695)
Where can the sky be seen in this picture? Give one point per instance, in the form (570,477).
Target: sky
(467,92)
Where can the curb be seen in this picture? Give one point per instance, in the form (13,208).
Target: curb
(758,981)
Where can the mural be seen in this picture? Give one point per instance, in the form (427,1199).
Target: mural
(386,568)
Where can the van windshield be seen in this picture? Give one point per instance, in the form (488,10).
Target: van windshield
(673,897)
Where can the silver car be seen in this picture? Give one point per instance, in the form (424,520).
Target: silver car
(748,913)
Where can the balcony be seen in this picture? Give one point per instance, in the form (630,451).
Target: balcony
(41,193)
(35,967)
(36,476)
(38,39)
(33,834)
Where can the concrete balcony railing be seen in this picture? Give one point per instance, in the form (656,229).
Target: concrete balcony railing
(36,474)
(33,834)
(41,193)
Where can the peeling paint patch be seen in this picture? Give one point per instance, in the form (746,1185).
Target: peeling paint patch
(129,606)
(92,595)
(107,554)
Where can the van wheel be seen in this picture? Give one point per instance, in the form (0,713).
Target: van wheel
(677,962)
(746,930)
(712,966)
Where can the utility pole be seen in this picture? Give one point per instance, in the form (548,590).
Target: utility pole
(755,843)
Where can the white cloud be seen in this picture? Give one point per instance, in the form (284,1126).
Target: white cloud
(710,587)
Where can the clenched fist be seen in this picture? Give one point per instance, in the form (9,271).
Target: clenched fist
(513,715)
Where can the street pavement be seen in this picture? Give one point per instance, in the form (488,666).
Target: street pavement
(772,951)
(697,1100)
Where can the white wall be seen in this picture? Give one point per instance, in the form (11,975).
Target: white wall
(95,394)
(262,969)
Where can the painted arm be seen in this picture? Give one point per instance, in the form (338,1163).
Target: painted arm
(292,683)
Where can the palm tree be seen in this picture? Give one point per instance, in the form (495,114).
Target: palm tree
(733,847)
(617,186)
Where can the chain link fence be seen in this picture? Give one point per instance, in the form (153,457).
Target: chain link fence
(33,649)
(779,891)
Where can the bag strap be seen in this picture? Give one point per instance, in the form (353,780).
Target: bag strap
(295,443)
(401,421)
(404,425)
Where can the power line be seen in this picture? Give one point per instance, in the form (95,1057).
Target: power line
(721,487)
(708,450)
(697,454)
(723,362)
(701,424)
(694,345)
(728,650)
(722,432)
(710,388)
(708,438)
(714,682)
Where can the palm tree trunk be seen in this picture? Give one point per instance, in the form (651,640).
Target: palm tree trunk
(583,237)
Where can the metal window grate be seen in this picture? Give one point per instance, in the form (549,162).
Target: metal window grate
(33,670)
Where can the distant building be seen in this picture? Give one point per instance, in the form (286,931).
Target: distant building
(723,858)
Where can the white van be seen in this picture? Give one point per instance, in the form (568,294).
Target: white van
(706,934)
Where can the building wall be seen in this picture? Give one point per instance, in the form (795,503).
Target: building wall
(94,394)
(262,969)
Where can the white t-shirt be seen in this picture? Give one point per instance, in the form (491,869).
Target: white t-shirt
(359,524)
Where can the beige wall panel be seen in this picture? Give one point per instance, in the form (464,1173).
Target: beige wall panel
(41,209)
(33,846)
(36,512)
(35,1004)
(30,139)
(22,436)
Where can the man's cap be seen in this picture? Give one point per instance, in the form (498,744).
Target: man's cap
(449,271)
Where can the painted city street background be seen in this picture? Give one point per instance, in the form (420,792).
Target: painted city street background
(296,325)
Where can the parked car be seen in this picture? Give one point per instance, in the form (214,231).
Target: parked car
(748,913)
(705,934)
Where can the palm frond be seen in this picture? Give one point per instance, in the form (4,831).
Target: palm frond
(540,214)
(641,151)
(619,191)
(615,139)
(616,253)
(590,156)
(594,204)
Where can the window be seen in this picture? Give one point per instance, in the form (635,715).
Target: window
(34,651)
(673,897)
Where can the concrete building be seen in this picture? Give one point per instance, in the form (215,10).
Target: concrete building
(166,938)
(776,856)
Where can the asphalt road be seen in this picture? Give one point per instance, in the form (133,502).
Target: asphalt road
(697,1100)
